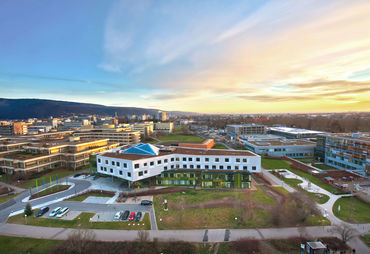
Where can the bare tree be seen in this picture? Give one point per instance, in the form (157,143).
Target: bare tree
(143,236)
(80,240)
(345,232)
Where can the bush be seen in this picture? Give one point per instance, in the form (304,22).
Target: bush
(28,210)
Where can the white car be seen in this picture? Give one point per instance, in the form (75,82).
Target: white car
(117,216)
(62,212)
(54,212)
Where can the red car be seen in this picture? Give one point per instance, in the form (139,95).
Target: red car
(132,216)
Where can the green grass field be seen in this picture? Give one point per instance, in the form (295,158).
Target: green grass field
(366,239)
(324,167)
(219,146)
(5,198)
(305,160)
(86,195)
(352,210)
(181,138)
(217,217)
(52,190)
(81,221)
(282,164)
(17,245)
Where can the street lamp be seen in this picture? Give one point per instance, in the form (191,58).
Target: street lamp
(25,216)
(236,221)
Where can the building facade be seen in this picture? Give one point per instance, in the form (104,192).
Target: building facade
(234,130)
(181,166)
(120,135)
(345,151)
(166,127)
(293,133)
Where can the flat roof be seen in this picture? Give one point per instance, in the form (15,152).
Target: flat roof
(246,125)
(23,156)
(294,130)
(282,142)
(363,136)
(181,151)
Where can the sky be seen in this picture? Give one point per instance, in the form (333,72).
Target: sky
(208,56)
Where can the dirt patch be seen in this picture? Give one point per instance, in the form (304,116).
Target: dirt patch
(124,195)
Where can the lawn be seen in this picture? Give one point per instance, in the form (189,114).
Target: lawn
(16,245)
(352,210)
(306,160)
(181,138)
(215,217)
(324,167)
(219,146)
(282,164)
(50,190)
(81,198)
(366,239)
(81,221)
(5,198)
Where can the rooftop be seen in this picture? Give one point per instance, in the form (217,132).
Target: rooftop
(245,125)
(282,142)
(294,130)
(364,136)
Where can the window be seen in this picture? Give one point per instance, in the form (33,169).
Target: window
(113,163)
(137,165)
(254,168)
(177,158)
(191,166)
(206,159)
(101,168)
(227,159)
(244,160)
(184,159)
(165,160)
(159,162)
(151,163)
(106,161)
(206,167)
(191,175)
(128,174)
(165,167)
(245,167)
(111,170)
(221,167)
(228,167)
(125,165)
(146,172)
(213,166)
(177,166)
(172,166)
(190,159)
(105,169)
(184,166)
(172,159)
(145,164)
(217,159)
(99,160)
(117,164)
(140,173)
(237,159)
(197,159)
(236,167)
(198,166)
(120,172)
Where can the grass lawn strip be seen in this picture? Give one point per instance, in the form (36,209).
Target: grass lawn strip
(50,190)
(182,138)
(82,197)
(5,198)
(81,221)
(219,146)
(16,245)
(282,164)
(366,239)
(352,210)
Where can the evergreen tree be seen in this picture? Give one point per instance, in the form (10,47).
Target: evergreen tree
(28,210)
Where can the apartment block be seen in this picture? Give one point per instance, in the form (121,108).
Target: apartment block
(145,129)
(166,127)
(175,166)
(233,130)
(346,151)
(120,135)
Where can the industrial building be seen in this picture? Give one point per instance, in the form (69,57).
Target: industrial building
(347,151)
(293,133)
(293,148)
(234,130)
(175,166)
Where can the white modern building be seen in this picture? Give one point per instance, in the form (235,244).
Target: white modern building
(185,166)
(294,133)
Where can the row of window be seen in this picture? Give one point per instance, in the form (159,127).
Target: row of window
(120,172)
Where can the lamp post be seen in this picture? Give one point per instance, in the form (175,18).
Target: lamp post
(236,221)
(25,216)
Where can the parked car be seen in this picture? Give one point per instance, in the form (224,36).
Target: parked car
(138,216)
(125,215)
(146,202)
(55,211)
(42,211)
(118,215)
(95,177)
(132,216)
(76,175)
(62,212)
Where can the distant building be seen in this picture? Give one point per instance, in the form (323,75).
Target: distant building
(282,148)
(163,127)
(345,151)
(170,166)
(233,130)
(20,128)
(145,129)
(39,128)
(293,133)
(161,116)
(206,144)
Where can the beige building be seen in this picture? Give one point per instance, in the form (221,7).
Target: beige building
(35,155)
(120,135)
(145,128)
(163,127)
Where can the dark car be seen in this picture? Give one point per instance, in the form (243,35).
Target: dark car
(146,202)
(42,211)
(95,177)
(125,215)
(76,175)
(138,216)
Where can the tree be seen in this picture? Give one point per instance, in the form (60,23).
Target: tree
(80,241)
(345,232)
(143,236)
(28,210)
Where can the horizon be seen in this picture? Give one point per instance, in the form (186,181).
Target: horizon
(207,57)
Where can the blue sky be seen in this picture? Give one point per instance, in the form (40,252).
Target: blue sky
(205,56)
